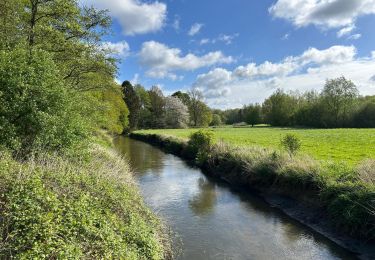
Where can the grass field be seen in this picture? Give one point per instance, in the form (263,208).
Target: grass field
(349,145)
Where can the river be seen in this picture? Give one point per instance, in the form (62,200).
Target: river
(211,220)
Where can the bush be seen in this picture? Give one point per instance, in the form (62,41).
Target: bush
(199,144)
(75,208)
(37,111)
(291,144)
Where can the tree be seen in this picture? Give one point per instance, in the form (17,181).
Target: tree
(216,120)
(145,116)
(37,111)
(200,113)
(365,116)
(176,113)
(253,114)
(184,97)
(157,107)
(339,96)
(133,102)
(279,109)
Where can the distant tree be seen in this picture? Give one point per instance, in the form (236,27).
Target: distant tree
(339,96)
(200,113)
(279,109)
(157,107)
(253,114)
(365,116)
(184,97)
(216,120)
(176,113)
(144,113)
(133,102)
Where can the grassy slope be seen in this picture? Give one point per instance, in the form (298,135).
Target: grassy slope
(349,145)
(86,206)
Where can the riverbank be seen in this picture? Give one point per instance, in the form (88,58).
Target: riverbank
(80,205)
(335,206)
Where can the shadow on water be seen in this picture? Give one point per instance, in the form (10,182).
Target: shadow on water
(215,220)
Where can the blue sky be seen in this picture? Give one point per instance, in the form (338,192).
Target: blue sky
(239,51)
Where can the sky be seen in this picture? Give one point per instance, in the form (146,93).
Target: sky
(240,51)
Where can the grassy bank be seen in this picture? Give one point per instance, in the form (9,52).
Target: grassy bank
(343,195)
(339,145)
(75,206)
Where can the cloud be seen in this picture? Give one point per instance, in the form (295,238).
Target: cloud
(355,36)
(323,13)
(345,30)
(162,61)
(227,39)
(195,28)
(176,23)
(285,37)
(118,48)
(253,83)
(135,16)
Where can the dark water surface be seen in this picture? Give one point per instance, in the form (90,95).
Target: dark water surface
(214,221)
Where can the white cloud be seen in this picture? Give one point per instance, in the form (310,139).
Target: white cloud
(334,54)
(355,36)
(195,28)
(119,48)
(253,83)
(162,61)
(323,13)
(227,39)
(176,23)
(204,41)
(345,30)
(285,37)
(135,16)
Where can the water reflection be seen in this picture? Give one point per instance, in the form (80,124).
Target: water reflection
(216,221)
(203,202)
(139,155)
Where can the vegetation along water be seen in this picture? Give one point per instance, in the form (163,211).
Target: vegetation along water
(70,180)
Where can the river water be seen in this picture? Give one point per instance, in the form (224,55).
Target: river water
(211,220)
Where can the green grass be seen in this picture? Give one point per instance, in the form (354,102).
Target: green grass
(348,145)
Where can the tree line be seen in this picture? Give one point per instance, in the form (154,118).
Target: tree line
(337,105)
(151,109)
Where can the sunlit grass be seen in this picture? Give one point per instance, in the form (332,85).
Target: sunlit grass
(349,145)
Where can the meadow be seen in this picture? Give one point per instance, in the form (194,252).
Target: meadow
(338,145)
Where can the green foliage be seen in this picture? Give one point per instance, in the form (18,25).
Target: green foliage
(133,102)
(253,114)
(216,120)
(279,108)
(37,110)
(70,208)
(291,144)
(365,116)
(199,144)
(200,113)
(111,111)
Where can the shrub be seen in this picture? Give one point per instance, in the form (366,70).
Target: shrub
(75,208)
(199,144)
(37,110)
(291,144)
